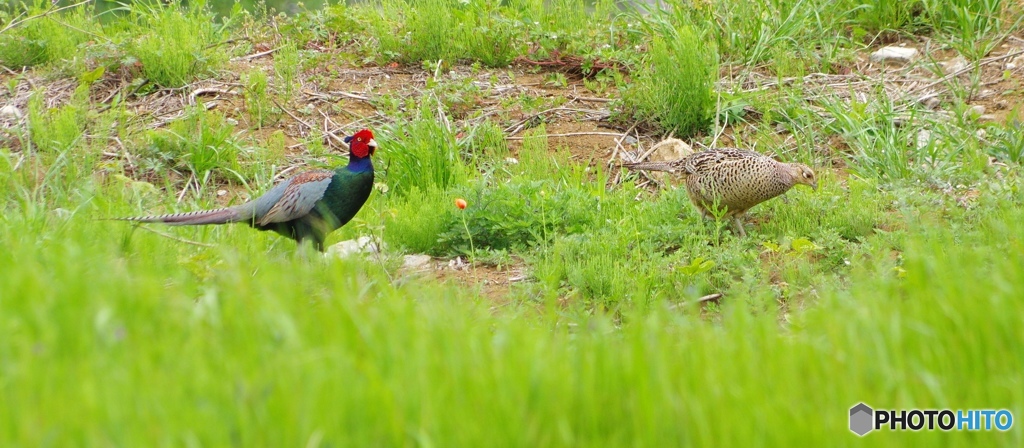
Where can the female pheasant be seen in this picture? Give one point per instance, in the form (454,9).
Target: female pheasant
(306,206)
(733,179)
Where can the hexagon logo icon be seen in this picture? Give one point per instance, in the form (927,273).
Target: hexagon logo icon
(861,421)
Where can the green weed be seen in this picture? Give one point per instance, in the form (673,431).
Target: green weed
(756,32)
(192,33)
(55,38)
(888,18)
(201,142)
(973,28)
(432,30)
(423,153)
(676,91)
(287,66)
(258,99)
(55,130)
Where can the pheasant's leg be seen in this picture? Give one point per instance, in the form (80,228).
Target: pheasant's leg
(739,226)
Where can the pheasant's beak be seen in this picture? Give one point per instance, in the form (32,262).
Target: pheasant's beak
(373,145)
(814,185)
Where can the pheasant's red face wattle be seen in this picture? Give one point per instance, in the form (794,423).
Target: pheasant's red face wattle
(361,144)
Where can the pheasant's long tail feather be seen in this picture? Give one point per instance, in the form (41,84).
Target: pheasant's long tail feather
(218,216)
(653,166)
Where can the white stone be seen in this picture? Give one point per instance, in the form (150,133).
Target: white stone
(924,137)
(974,112)
(10,111)
(457,264)
(900,55)
(670,149)
(954,65)
(347,248)
(415,261)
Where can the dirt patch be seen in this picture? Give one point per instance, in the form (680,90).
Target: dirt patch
(494,282)
(587,142)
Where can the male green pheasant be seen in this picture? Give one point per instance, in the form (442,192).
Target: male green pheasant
(306,206)
(733,180)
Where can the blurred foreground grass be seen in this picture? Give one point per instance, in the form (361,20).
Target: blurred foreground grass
(147,343)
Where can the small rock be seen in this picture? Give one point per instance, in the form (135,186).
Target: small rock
(897,55)
(222,192)
(10,111)
(932,102)
(629,140)
(670,149)
(924,137)
(232,121)
(457,264)
(415,261)
(361,245)
(1017,61)
(987,117)
(974,112)
(980,133)
(954,65)
(511,160)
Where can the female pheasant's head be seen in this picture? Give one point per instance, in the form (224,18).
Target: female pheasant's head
(803,174)
(361,144)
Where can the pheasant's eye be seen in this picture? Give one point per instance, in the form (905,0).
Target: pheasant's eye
(807,175)
(359,139)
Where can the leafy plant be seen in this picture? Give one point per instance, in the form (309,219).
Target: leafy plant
(201,142)
(258,100)
(175,45)
(54,38)
(287,66)
(423,153)
(676,90)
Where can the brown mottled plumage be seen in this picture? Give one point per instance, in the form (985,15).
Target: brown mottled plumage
(733,179)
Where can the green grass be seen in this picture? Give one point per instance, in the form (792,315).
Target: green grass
(896,283)
(169,343)
(201,143)
(54,38)
(676,90)
(194,36)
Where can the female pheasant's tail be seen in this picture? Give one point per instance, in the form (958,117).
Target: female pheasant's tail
(218,216)
(653,166)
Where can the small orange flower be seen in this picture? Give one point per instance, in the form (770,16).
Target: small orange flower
(460,203)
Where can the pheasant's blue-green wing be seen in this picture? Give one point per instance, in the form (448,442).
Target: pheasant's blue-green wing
(299,197)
